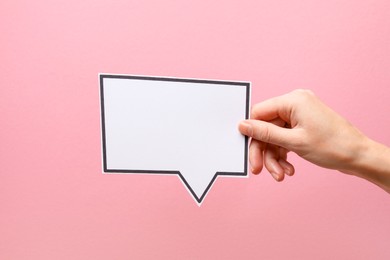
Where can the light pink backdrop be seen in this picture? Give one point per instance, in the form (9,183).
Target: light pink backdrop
(56,204)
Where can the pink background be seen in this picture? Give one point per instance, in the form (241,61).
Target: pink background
(56,204)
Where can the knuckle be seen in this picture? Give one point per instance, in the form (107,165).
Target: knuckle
(264,134)
(304,92)
(303,95)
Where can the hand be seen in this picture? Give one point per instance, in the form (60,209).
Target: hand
(300,122)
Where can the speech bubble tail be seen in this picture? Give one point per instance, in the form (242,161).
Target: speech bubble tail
(198,191)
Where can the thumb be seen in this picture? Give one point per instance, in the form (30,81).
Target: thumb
(268,133)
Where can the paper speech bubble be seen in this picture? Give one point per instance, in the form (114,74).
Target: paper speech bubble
(188,127)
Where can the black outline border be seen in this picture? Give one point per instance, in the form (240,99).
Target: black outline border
(233,83)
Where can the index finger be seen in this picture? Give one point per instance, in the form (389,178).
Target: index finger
(270,109)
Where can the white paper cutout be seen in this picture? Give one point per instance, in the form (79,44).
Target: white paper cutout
(188,127)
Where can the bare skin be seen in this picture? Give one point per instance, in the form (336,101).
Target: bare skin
(301,123)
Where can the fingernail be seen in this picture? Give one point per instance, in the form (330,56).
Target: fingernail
(246,128)
(276,177)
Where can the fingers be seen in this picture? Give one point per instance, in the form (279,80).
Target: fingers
(288,167)
(282,106)
(269,133)
(276,155)
(275,160)
(271,162)
(267,146)
(273,108)
(275,128)
(256,149)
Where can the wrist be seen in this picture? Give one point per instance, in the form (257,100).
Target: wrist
(371,162)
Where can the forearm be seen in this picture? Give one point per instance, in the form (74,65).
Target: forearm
(372,163)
